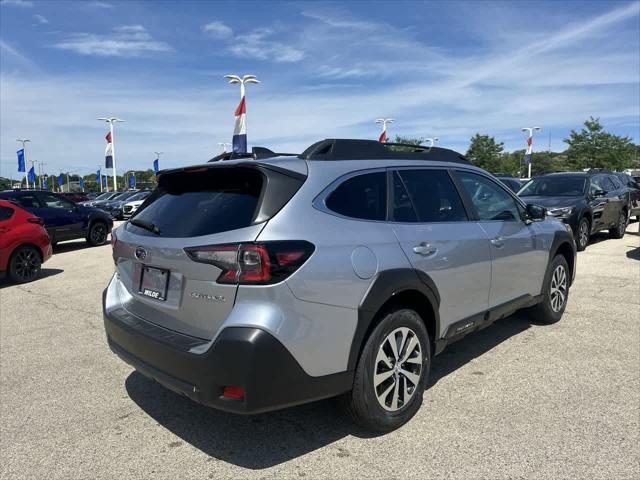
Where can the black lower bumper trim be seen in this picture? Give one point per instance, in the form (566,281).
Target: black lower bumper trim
(244,357)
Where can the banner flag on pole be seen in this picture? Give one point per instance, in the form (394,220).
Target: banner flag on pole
(108,152)
(132,181)
(21,167)
(527,155)
(383,136)
(155,166)
(240,130)
(44,183)
(60,180)
(81,183)
(31,176)
(99,177)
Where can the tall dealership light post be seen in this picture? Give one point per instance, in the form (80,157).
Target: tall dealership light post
(224,146)
(527,155)
(384,122)
(111,121)
(432,141)
(240,130)
(24,142)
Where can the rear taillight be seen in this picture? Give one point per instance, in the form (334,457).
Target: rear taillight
(37,220)
(254,263)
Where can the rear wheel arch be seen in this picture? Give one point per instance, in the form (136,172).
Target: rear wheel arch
(566,250)
(27,244)
(391,289)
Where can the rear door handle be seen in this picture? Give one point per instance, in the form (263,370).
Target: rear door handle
(497,242)
(425,249)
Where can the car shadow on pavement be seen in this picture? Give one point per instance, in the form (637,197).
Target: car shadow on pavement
(44,273)
(268,439)
(476,344)
(634,253)
(253,441)
(73,246)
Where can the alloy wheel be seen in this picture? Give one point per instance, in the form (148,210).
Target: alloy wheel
(558,289)
(583,234)
(397,369)
(27,265)
(98,234)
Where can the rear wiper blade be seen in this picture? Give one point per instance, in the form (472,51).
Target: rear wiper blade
(146,225)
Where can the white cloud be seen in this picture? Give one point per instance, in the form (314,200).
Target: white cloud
(257,44)
(98,4)
(124,41)
(217,29)
(16,3)
(40,19)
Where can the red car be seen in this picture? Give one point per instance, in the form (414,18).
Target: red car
(24,243)
(75,197)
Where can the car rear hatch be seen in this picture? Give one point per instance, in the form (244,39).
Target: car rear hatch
(224,203)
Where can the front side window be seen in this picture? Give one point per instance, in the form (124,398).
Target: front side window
(363,197)
(492,202)
(596,184)
(53,201)
(426,195)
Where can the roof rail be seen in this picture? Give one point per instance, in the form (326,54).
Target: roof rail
(350,149)
(257,153)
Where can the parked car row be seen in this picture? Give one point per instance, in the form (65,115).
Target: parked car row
(114,202)
(57,218)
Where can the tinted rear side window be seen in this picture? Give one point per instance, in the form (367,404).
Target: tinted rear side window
(429,193)
(5,213)
(204,202)
(363,197)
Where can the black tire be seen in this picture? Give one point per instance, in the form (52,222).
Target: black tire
(362,403)
(24,264)
(548,311)
(583,234)
(98,234)
(621,226)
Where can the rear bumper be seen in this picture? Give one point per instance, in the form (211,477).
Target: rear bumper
(244,357)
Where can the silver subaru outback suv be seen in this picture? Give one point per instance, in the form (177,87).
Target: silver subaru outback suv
(253,284)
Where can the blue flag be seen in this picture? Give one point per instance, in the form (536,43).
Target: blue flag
(44,183)
(99,177)
(82,184)
(60,181)
(155,166)
(132,181)
(21,160)
(31,176)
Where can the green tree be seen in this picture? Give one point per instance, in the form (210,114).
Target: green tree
(486,153)
(593,147)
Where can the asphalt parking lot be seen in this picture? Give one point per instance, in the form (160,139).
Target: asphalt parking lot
(517,400)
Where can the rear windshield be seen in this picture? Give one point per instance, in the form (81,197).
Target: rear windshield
(202,202)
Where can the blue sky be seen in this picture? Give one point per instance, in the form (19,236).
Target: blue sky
(445,69)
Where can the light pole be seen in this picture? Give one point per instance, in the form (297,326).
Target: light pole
(527,155)
(40,169)
(240,129)
(24,142)
(384,122)
(432,141)
(111,121)
(224,146)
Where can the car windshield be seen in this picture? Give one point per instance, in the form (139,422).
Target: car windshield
(139,196)
(123,196)
(561,186)
(103,196)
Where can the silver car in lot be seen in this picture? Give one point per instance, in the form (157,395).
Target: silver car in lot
(259,283)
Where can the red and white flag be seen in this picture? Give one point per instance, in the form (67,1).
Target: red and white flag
(108,152)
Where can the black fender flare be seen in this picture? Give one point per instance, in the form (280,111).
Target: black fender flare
(384,287)
(560,239)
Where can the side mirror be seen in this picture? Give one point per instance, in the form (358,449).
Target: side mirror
(536,212)
(599,193)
